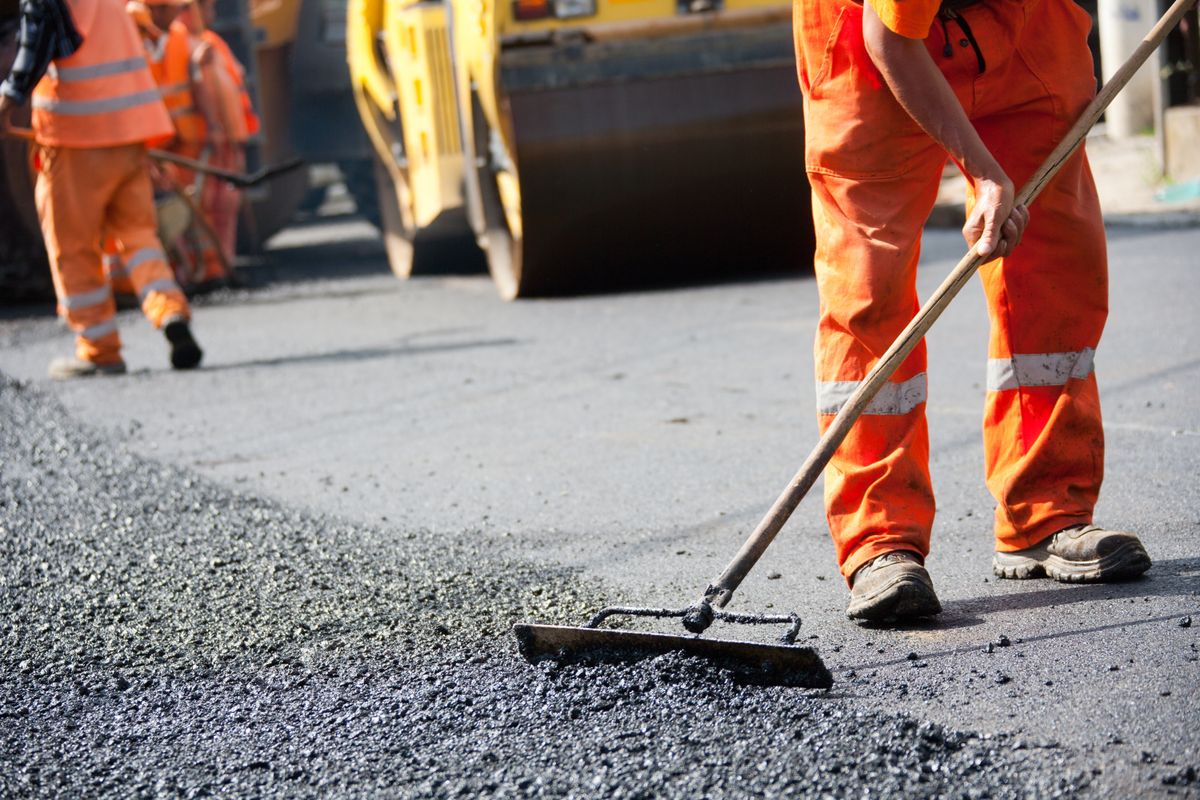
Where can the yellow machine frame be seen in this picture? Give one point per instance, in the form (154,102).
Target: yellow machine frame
(427,79)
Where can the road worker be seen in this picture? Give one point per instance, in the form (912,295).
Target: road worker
(95,105)
(188,78)
(891,89)
(232,124)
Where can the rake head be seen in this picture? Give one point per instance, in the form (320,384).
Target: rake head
(779,664)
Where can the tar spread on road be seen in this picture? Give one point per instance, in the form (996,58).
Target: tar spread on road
(166,635)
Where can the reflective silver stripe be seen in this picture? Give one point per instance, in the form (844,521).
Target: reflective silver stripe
(179,112)
(174,88)
(1038,369)
(99,330)
(160,285)
(80,108)
(74,302)
(894,399)
(96,70)
(140,257)
(114,266)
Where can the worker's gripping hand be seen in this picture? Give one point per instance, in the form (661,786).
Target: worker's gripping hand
(996,223)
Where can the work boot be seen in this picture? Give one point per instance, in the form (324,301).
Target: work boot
(185,353)
(892,587)
(68,367)
(1079,554)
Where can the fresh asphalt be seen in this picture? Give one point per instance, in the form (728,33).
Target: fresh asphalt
(293,571)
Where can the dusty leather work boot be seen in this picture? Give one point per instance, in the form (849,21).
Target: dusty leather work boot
(1079,554)
(893,586)
(62,369)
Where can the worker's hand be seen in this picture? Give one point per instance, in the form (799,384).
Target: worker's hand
(203,55)
(165,177)
(996,224)
(7,106)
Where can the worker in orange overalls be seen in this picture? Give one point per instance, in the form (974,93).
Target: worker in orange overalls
(186,79)
(95,105)
(231,127)
(891,89)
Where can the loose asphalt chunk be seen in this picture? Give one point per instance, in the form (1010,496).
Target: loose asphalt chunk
(163,635)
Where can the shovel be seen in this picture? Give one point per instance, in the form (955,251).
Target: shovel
(239,179)
(787,663)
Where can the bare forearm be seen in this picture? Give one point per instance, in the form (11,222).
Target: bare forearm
(923,92)
(994,224)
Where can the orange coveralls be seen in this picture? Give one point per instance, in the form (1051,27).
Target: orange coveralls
(220,200)
(1023,72)
(92,114)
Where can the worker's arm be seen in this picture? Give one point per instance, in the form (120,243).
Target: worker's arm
(205,90)
(995,224)
(47,33)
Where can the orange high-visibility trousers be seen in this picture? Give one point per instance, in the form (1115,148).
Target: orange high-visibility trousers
(875,176)
(220,203)
(83,195)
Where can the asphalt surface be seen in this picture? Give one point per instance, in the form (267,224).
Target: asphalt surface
(292,572)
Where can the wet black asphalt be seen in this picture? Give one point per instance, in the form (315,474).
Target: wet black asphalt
(166,636)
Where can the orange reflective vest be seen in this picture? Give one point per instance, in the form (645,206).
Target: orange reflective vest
(240,120)
(102,95)
(171,64)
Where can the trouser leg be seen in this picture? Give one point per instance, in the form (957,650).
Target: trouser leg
(874,177)
(878,495)
(72,189)
(219,202)
(131,223)
(118,276)
(1048,301)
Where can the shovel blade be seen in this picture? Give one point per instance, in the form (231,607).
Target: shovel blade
(750,662)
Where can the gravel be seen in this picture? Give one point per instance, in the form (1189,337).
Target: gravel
(163,635)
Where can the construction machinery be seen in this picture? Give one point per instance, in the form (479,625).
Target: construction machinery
(585,144)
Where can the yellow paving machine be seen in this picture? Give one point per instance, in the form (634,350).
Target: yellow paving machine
(585,144)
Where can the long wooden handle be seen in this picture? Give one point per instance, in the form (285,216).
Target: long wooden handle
(24,134)
(238,179)
(721,590)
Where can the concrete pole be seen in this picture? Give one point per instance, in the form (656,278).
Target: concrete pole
(1122,24)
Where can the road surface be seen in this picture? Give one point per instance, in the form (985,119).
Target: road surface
(292,572)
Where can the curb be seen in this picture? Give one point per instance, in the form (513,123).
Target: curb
(1155,220)
(952,216)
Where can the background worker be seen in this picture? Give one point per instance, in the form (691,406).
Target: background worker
(891,87)
(187,78)
(232,124)
(95,105)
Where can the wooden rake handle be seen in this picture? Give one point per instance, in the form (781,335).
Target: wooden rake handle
(721,590)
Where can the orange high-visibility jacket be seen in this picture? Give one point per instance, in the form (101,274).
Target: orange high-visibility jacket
(171,66)
(240,120)
(103,95)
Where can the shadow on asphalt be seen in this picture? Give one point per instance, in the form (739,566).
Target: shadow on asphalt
(1027,640)
(363,354)
(1168,578)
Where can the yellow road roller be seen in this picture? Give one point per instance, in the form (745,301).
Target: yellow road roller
(587,145)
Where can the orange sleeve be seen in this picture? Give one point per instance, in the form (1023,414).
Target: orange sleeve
(909,18)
